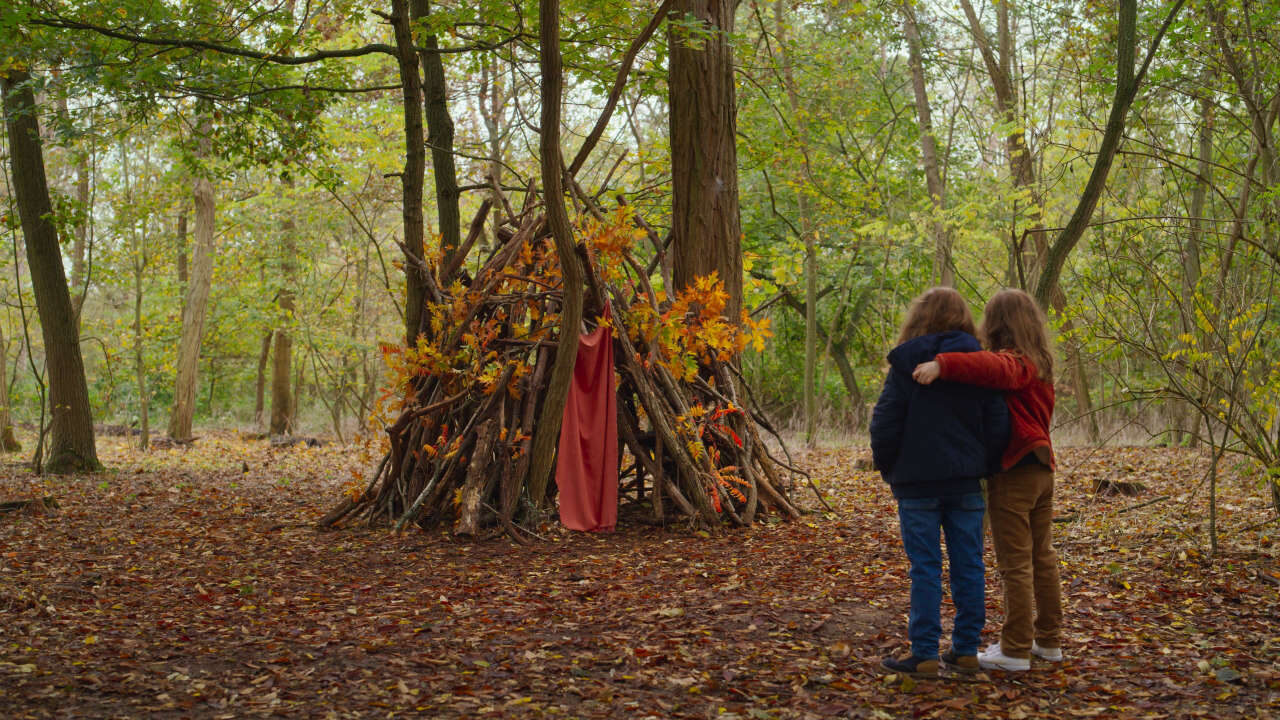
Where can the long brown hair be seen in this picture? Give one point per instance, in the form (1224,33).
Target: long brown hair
(938,310)
(1012,321)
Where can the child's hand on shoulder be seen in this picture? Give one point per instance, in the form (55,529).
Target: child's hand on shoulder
(926,372)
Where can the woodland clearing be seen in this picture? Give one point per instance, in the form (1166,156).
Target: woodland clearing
(192,583)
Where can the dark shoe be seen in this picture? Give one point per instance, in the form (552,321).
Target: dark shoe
(911,665)
(960,663)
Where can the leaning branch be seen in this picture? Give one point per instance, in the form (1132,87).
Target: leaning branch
(619,84)
(1127,83)
(193,44)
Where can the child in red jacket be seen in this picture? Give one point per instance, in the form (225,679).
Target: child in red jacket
(1020,498)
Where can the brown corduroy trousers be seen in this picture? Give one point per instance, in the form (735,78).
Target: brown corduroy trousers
(1020,501)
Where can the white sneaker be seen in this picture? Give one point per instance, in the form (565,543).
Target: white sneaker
(1044,653)
(993,659)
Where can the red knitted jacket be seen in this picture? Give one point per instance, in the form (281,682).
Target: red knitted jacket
(1030,399)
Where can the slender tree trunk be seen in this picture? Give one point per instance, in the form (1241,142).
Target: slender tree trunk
(1079,374)
(943,269)
(72,448)
(1191,247)
(281,376)
(80,231)
(838,350)
(1185,418)
(196,303)
(139,252)
(810,336)
(260,387)
(840,355)
(1026,259)
(298,375)
(411,180)
(439,137)
(140,366)
(1127,82)
(8,442)
(492,100)
(547,433)
(282,367)
(80,246)
(1253,89)
(705,224)
(182,251)
(807,232)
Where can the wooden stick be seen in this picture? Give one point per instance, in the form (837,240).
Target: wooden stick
(481,458)
(459,256)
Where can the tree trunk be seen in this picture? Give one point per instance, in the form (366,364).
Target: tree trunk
(8,442)
(298,375)
(79,248)
(139,251)
(72,448)
(439,137)
(810,336)
(492,99)
(260,387)
(182,251)
(1185,419)
(140,367)
(705,224)
(282,365)
(1253,87)
(808,234)
(1026,260)
(547,433)
(80,231)
(837,350)
(196,303)
(282,376)
(411,180)
(943,269)
(1127,82)
(1191,247)
(1079,375)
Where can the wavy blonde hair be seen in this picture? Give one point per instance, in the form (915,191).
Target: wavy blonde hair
(1014,322)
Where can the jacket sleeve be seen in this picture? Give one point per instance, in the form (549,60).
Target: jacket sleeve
(997,427)
(888,419)
(997,370)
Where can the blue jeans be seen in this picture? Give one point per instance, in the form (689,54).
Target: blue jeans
(960,517)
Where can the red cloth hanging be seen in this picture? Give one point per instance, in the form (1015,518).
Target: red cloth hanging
(587,463)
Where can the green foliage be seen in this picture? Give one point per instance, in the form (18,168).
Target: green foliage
(829,144)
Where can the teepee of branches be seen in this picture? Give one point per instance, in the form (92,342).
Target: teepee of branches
(459,411)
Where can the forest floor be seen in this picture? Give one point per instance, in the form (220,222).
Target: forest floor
(192,583)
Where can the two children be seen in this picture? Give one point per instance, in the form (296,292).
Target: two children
(934,444)
(1018,362)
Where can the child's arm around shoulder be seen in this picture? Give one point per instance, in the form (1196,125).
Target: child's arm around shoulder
(998,370)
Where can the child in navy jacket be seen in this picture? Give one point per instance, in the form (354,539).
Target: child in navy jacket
(933,445)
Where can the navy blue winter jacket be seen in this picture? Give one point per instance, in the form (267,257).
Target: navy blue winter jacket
(938,439)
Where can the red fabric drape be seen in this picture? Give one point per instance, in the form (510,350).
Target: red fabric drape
(587,463)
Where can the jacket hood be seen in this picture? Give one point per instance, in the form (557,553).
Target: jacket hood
(906,356)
